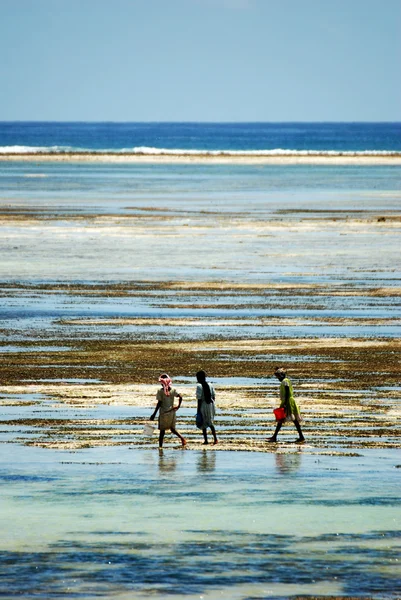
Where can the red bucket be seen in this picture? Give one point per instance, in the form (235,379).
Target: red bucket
(279,413)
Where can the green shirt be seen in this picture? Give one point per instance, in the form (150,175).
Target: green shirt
(291,407)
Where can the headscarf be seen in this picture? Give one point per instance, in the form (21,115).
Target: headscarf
(201,377)
(166,383)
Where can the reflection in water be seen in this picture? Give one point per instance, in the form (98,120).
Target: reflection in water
(167,464)
(206,461)
(288,463)
(112,523)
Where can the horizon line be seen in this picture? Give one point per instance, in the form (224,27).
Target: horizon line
(190,122)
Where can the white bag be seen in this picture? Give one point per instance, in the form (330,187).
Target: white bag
(149,429)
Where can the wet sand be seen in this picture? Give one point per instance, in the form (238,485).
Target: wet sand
(311,283)
(348,387)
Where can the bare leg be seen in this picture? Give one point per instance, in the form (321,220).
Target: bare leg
(183,440)
(214,433)
(161,437)
(301,435)
(275,434)
(204,431)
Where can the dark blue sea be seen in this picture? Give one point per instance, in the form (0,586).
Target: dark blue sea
(231,138)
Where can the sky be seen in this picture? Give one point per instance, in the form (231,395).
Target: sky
(200,60)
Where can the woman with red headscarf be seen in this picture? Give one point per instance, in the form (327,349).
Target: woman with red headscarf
(167,415)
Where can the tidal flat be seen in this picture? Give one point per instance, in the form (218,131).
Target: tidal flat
(111,274)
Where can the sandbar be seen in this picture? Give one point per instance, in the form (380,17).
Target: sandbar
(201,158)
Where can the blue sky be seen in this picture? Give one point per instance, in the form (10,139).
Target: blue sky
(200,60)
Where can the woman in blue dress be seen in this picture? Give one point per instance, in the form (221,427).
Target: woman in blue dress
(205,396)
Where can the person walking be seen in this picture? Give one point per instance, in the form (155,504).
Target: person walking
(292,412)
(206,410)
(165,403)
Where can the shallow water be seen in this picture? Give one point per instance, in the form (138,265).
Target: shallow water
(115,522)
(108,222)
(188,319)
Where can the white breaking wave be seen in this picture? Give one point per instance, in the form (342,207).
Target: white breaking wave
(34,149)
(150,151)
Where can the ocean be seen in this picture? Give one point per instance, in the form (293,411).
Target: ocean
(170,138)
